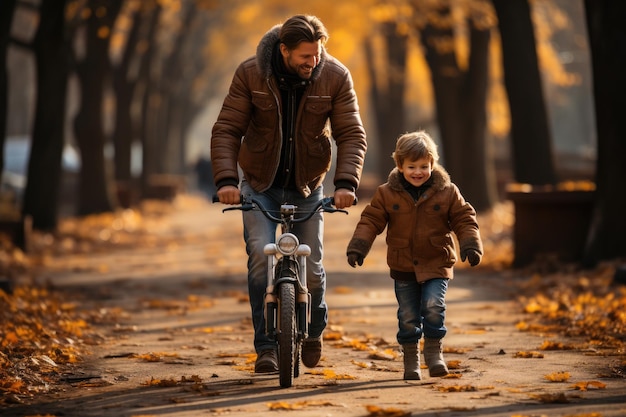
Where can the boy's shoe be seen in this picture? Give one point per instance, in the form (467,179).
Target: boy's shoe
(411,360)
(433,356)
(311,352)
(266,362)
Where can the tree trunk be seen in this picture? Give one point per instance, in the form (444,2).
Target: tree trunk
(148,105)
(124,86)
(478,182)
(460,100)
(388,94)
(170,141)
(52,52)
(530,133)
(6,17)
(94,74)
(607,35)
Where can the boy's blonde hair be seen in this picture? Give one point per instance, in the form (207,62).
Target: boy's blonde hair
(413,146)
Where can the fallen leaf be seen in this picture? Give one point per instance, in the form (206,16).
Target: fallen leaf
(558,376)
(532,354)
(153,382)
(585,385)
(375,411)
(454,364)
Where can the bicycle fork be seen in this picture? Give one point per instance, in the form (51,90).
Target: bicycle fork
(287,270)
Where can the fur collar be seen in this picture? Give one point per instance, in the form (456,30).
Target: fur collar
(441,179)
(265,49)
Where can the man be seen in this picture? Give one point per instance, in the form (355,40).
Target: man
(276,122)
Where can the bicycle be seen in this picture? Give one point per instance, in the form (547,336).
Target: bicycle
(287,301)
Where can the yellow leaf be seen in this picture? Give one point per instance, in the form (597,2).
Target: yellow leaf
(375,411)
(10,339)
(161,383)
(457,388)
(282,405)
(532,354)
(343,290)
(585,385)
(361,364)
(548,345)
(154,356)
(557,376)
(387,354)
(332,335)
(455,364)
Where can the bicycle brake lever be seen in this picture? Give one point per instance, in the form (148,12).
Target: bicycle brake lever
(330,208)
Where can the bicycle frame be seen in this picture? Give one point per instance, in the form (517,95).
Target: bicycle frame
(287,303)
(286,253)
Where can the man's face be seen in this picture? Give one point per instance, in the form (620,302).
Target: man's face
(303,59)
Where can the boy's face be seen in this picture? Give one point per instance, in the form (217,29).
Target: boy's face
(416,172)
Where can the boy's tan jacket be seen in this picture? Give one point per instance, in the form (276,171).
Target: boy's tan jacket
(419,233)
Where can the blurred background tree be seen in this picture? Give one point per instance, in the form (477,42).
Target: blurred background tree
(52,51)
(607,37)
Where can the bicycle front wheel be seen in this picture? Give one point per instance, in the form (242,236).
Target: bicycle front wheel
(287,336)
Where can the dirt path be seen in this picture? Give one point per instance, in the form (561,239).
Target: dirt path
(178,339)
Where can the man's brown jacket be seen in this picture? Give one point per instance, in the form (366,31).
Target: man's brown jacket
(248,128)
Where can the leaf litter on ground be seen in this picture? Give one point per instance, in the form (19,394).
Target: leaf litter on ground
(42,337)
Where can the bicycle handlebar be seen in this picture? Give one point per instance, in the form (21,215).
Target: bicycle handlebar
(250,203)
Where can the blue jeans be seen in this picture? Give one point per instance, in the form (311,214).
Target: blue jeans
(421,309)
(258,231)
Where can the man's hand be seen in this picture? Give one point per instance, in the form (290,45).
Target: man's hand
(344,198)
(229,194)
(472,256)
(354,259)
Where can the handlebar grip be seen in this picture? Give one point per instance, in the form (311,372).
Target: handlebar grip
(216,199)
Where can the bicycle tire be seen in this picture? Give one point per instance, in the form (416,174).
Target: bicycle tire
(296,359)
(287,336)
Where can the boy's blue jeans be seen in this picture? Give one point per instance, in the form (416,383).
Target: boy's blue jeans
(258,231)
(421,309)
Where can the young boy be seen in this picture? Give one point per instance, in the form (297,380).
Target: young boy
(420,207)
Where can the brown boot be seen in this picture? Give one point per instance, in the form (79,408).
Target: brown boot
(266,362)
(311,351)
(412,361)
(433,356)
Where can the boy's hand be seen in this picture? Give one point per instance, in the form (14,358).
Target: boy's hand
(472,256)
(354,259)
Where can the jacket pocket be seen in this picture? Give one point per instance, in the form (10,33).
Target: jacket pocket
(314,127)
(320,147)
(399,253)
(263,120)
(445,247)
(263,101)
(318,105)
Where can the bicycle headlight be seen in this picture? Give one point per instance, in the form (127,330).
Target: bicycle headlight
(287,243)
